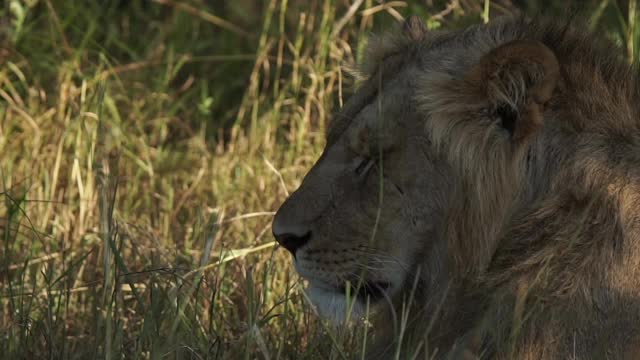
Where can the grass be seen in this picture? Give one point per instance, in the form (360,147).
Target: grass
(144,147)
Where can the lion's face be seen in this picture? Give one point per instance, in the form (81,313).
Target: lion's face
(420,168)
(371,204)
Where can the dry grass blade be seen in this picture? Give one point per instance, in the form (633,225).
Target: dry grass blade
(387,6)
(230,255)
(205,16)
(353,9)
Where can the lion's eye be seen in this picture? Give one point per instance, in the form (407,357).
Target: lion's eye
(364,166)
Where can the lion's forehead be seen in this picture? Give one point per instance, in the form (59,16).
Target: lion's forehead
(449,51)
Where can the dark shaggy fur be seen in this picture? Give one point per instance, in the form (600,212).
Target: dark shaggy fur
(543,236)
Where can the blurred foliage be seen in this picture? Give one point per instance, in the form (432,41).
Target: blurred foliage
(129,31)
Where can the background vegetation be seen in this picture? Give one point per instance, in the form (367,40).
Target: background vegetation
(144,146)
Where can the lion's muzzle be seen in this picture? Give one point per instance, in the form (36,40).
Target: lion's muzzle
(288,235)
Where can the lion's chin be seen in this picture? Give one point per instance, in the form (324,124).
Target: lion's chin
(333,305)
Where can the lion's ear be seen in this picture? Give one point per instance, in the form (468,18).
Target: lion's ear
(518,79)
(414,28)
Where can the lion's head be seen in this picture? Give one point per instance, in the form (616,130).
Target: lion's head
(375,200)
(456,151)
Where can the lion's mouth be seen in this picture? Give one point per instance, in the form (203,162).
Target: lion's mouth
(374,290)
(348,301)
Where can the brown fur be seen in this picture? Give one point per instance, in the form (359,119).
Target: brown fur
(525,230)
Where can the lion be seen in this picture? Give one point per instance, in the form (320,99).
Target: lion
(479,194)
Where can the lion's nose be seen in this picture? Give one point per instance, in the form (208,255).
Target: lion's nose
(290,237)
